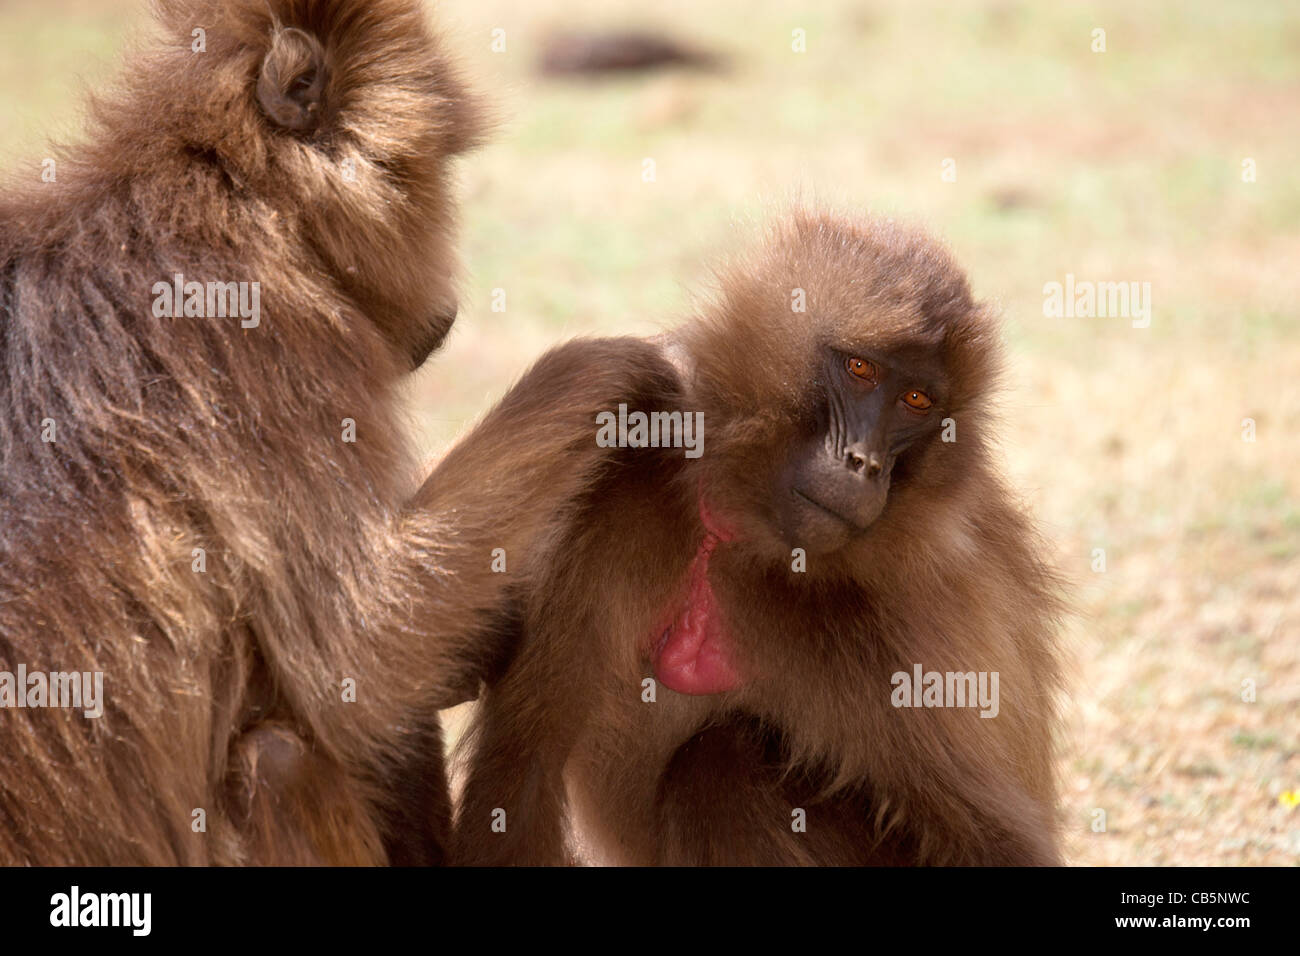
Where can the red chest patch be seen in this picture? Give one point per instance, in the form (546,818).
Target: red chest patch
(694,654)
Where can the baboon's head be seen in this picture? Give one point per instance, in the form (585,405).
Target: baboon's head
(341,117)
(826,370)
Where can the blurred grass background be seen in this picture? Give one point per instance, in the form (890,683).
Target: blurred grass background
(1122,165)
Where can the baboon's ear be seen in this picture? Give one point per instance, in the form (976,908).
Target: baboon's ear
(291,88)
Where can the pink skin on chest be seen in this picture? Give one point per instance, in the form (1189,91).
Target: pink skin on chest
(694,653)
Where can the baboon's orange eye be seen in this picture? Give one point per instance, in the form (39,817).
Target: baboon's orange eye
(862,369)
(917,400)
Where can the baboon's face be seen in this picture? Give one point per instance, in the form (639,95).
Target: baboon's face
(871,408)
(827,372)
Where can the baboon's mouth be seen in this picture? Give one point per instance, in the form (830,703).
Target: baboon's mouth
(827,510)
(433,338)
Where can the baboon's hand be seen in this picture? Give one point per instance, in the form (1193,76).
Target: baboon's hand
(537,448)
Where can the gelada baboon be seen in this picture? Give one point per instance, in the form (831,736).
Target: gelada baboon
(205,499)
(713,666)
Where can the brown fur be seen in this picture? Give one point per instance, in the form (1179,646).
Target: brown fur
(223,688)
(949,576)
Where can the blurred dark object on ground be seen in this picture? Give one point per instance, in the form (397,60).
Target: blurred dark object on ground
(619,51)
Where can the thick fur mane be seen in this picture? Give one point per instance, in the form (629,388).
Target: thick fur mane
(180,439)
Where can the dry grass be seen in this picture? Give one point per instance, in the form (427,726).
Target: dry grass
(1122,165)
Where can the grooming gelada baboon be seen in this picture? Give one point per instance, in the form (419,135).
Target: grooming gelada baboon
(707,673)
(204,495)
